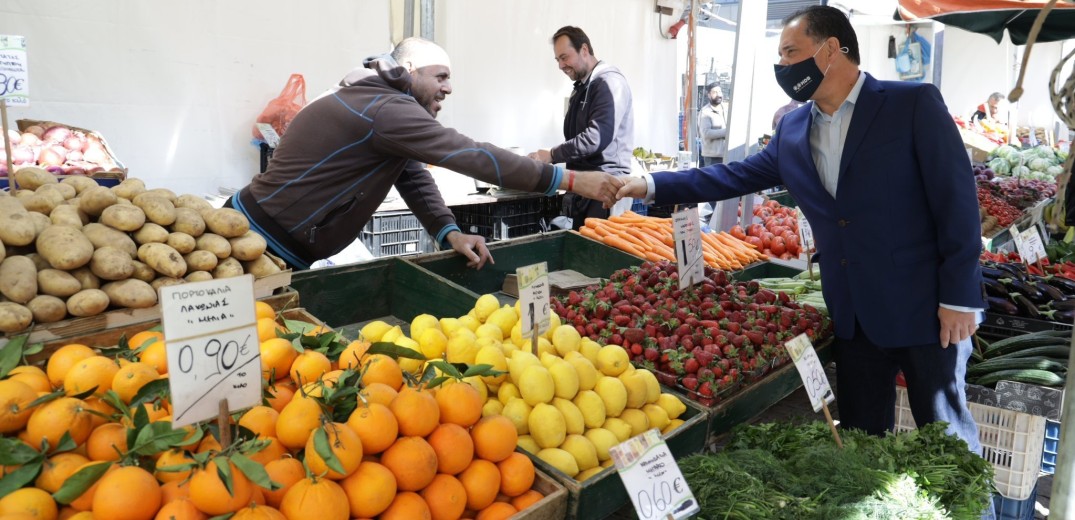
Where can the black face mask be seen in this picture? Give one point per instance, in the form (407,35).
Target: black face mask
(800,80)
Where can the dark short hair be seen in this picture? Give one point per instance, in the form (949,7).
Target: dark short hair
(996,96)
(823,22)
(576,35)
(711,86)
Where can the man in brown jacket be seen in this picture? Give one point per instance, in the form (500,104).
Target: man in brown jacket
(345,150)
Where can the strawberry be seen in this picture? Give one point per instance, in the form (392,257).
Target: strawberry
(621,320)
(706,389)
(691,366)
(636,350)
(690,383)
(651,354)
(704,357)
(634,335)
(573,298)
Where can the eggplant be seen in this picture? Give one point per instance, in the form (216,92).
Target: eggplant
(1064,284)
(1018,286)
(993,273)
(1060,305)
(1052,293)
(1059,316)
(1026,307)
(1002,305)
(994,288)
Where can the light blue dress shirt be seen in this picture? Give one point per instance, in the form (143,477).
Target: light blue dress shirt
(827,136)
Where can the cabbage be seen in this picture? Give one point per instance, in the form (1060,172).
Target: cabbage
(1061,155)
(1000,166)
(1004,151)
(1039,164)
(1045,152)
(1015,159)
(1055,170)
(1021,172)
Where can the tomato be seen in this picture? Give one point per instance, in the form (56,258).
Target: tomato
(777,246)
(766,239)
(754,241)
(778,230)
(755,230)
(737,232)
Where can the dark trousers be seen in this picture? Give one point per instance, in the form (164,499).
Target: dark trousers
(580,209)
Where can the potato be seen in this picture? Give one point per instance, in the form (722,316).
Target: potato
(43,200)
(64,247)
(159,210)
(17,229)
(47,309)
(18,279)
(39,261)
(101,235)
(163,258)
(193,202)
(247,247)
(123,218)
(198,276)
(182,242)
(215,244)
(165,281)
(201,260)
(86,278)
(87,302)
(68,215)
(129,189)
(261,266)
(79,183)
(55,282)
(143,272)
(151,232)
(188,221)
(156,192)
(32,177)
(228,268)
(41,221)
(22,194)
(110,263)
(68,191)
(132,294)
(11,206)
(14,317)
(226,222)
(94,200)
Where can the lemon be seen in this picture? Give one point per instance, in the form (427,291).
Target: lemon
(432,342)
(653,387)
(618,427)
(548,359)
(504,318)
(392,334)
(421,323)
(517,335)
(564,378)
(590,349)
(470,322)
(488,330)
(507,348)
(517,308)
(489,342)
(585,370)
(518,412)
(526,443)
(409,365)
(672,405)
(547,426)
(536,385)
(492,407)
(449,325)
(607,464)
(573,420)
(635,384)
(561,460)
(672,425)
(493,356)
(462,348)
(545,345)
(583,475)
(520,359)
(591,407)
(612,360)
(566,339)
(658,418)
(554,322)
(613,393)
(638,420)
(478,385)
(582,449)
(374,331)
(507,392)
(486,305)
(602,441)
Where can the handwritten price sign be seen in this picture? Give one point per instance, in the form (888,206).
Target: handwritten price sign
(534,298)
(1028,244)
(14,78)
(813,374)
(652,478)
(806,233)
(213,349)
(688,237)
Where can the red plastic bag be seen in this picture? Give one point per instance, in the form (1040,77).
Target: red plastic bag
(282,109)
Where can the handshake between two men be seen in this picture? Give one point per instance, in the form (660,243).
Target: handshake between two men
(603,187)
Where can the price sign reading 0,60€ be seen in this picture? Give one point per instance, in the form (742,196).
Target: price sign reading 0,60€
(213,348)
(652,478)
(811,371)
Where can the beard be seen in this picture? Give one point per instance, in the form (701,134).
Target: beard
(716,102)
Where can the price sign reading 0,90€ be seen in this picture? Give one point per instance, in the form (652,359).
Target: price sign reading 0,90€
(811,371)
(213,348)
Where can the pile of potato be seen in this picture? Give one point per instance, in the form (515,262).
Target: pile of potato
(75,247)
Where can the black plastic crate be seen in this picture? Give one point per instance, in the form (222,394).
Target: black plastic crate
(393,221)
(503,232)
(506,208)
(266,156)
(1002,326)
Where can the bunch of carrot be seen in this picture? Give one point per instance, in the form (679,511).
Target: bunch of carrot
(652,238)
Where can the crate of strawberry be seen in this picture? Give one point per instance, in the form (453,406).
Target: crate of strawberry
(709,340)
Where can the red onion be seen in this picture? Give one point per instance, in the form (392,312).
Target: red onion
(52,156)
(73,170)
(94,169)
(22,155)
(74,155)
(55,170)
(30,139)
(91,141)
(73,143)
(37,130)
(95,154)
(57,134)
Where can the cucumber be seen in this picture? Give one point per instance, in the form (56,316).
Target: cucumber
(1037,339)
(993,365)
(1031,376)
(1053,351)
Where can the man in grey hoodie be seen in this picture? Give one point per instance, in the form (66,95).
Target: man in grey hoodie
(377,129)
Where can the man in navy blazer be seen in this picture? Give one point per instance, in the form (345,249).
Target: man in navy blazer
(879,170)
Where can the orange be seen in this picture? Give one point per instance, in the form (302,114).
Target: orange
(14,396)
(318,498)
(105,411)
(258,512)
(174,490)
(57,469)
(277,354)
(131,378)
(92,372)
(208,443)
(127,493)
(446,497)
(261,420)
(284,471)
(209,494)
(380,368)
(369,489)
(68,513)
(309,366)
(107,442)
(412,461)
(61,361)
(156,356)
(280,394)
(268,329)
(459,404)
(375,425)
(416,412)
(144,338)
(31,501)
(379,393)
(407,506)
(180,509)
(516,474)
(354,354)
(54,418)
(453,447)
(527,499)
(481,479)
(84,502)
(156,411)
(173,457)
(297,420)
(345,445)
(497,511)
(34,377)
(494,437)
(272,451)
(264,310)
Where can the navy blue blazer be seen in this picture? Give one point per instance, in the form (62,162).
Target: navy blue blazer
(903,233)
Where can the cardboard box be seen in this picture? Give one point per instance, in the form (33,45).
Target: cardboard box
(115,172)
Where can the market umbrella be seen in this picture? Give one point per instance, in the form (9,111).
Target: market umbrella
(992,17)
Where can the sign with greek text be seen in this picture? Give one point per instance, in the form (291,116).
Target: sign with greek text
(652,478)
(1028,244)
(213,349)
(811,371)
(806,234)
(14,78)
(688,237)
(534,298)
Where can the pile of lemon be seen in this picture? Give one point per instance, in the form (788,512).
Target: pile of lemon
(570,403)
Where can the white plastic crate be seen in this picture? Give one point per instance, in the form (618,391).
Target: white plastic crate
(1011,441)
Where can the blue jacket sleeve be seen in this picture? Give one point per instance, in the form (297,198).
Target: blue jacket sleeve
(720,181)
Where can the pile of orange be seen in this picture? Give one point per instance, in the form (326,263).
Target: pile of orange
(404,453)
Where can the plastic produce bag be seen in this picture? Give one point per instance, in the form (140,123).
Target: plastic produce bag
(282,109)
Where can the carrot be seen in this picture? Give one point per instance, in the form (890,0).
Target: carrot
(589,233)
(623,232)
(619,243)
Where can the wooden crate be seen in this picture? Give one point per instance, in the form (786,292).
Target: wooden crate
(552,507)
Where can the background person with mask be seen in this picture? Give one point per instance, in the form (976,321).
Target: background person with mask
(598,126)
(866,154)
(713,126)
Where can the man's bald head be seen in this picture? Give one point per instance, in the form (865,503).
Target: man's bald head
(415,53)
(430,71)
